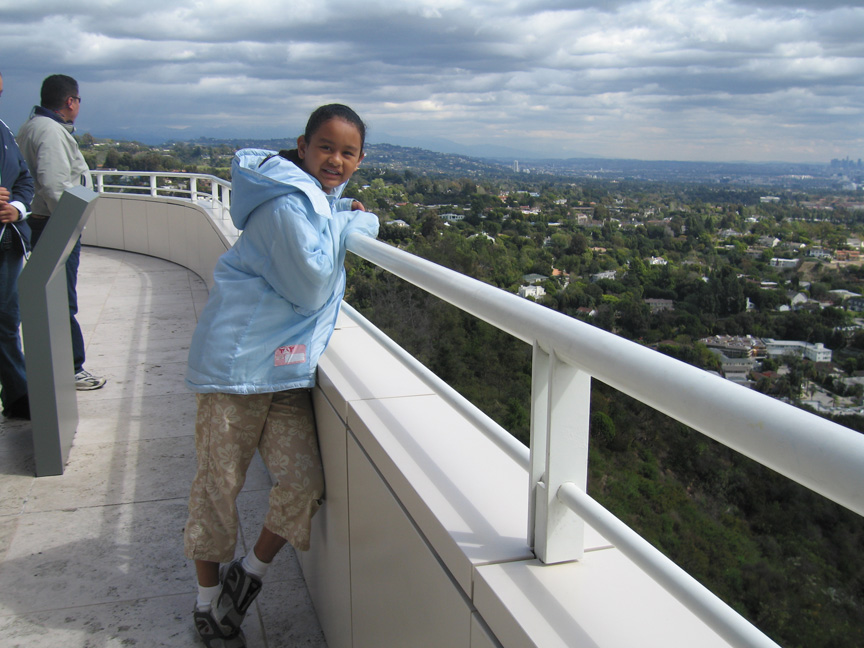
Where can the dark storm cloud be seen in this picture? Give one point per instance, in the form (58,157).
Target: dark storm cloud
(656,78)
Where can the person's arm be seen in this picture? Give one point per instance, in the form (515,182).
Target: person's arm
(52,167)
(19,190)
(302,265)
(22,189)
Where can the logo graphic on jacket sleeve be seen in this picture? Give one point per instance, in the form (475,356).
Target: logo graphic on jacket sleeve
(288,355)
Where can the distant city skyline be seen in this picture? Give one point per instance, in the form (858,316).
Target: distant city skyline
(722,80)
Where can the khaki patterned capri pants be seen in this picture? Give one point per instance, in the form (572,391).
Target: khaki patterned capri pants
(228,429)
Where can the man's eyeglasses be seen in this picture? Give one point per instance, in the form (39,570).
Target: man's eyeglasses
(78,99)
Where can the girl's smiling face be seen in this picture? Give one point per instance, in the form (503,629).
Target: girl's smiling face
(332,153)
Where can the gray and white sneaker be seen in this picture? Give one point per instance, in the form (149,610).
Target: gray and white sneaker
(239,589)
(215,635)
(85,381)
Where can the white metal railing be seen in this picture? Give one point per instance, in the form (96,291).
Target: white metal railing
(157,184)
(505,441)
(826,457)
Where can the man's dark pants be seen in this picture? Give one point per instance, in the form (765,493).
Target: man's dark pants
(13,377)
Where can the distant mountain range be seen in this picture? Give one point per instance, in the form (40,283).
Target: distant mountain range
(436,144)
(447,157)
(441,145)
(782,175)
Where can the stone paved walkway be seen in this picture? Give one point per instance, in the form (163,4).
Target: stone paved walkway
(94,557)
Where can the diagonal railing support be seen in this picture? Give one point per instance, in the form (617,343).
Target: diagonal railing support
(47,337)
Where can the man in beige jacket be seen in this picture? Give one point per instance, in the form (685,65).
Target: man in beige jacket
(56,163)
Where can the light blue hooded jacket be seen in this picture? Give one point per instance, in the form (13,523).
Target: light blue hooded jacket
(277,291)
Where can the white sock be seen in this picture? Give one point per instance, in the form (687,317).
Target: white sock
(253,565)
(206,596)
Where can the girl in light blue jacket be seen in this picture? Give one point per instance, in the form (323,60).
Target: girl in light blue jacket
(254,355)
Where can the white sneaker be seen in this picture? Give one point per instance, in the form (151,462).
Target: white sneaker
(85,381)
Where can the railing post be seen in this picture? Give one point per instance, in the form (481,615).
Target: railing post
(537,440)
(153,185)
(100,183)
(214,194)
(560,417)
(193,188)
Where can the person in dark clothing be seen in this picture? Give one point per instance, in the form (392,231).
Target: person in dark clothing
(16,194)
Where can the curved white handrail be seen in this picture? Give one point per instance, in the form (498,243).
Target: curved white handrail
(158,184)
(824,456)
(505,441)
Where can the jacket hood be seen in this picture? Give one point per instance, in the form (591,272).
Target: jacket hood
(254,181)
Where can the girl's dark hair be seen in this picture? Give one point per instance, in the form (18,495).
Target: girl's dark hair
(325,113)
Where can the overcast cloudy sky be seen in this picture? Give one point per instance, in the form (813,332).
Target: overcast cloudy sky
(710,80)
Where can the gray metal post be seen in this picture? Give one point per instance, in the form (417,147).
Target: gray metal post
(47,336)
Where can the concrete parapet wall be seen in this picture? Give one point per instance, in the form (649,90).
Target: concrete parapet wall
(423,532)
(179,231)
